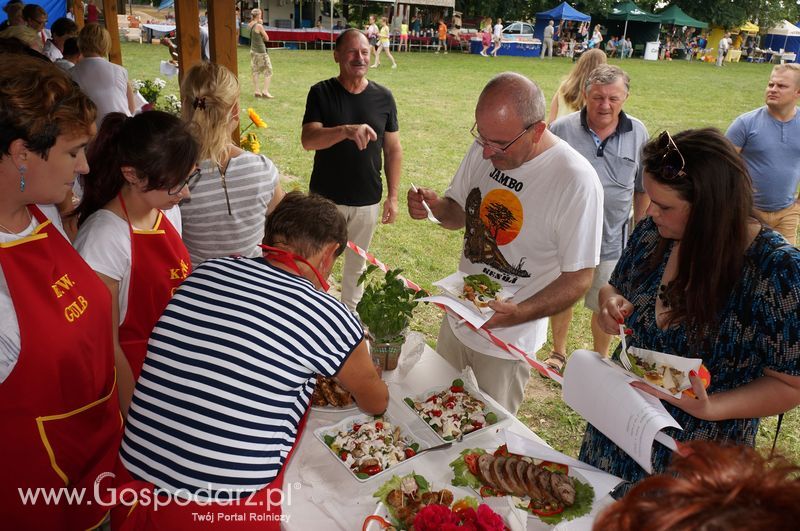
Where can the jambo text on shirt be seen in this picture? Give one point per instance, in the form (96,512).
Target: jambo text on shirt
(106,494)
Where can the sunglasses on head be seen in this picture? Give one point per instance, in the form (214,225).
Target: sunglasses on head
(672,161)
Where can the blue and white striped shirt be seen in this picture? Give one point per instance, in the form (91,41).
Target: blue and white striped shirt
(229,375)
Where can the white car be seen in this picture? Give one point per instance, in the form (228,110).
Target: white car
(518,31)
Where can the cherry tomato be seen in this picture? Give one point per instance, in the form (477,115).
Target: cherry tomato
(432,398)
(456,389)
(379,425)
(343,455)
(409,452)
(450,405)
(356,427)
(477,424)
(436,413)
(370,470)
(472,463)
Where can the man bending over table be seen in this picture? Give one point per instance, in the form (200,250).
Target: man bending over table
(230,369)
(532,210)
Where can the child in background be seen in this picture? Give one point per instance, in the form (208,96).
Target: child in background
(442,36)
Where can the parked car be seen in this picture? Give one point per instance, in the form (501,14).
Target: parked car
(518,30)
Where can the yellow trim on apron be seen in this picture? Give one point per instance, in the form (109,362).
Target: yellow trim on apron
(155,229)
(32,237)
(43,435)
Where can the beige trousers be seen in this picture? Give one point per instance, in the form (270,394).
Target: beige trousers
(361,223)
(784,221)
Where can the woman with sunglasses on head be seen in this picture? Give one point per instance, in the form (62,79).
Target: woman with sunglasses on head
(129,230)
(59,407)
(702,278)
(236,188)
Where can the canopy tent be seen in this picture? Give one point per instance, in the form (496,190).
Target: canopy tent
(630,12)
(784,36)
(749,27)
(674,15)
(559,13)
(55,9)
(166,4)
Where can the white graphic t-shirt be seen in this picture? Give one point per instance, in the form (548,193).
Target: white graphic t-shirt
(526,226)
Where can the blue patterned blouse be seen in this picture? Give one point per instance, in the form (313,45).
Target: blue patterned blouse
(759,329)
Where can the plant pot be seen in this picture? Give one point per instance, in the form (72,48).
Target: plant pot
(386,354)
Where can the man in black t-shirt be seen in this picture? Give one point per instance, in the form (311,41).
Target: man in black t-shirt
(349,121)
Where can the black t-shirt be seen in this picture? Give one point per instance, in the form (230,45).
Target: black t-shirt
(341,172)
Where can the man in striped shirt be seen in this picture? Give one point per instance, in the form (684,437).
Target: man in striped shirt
(231,367)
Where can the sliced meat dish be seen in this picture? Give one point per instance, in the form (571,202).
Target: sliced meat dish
(517,486)
(485,469)
(563,488)
(500,474)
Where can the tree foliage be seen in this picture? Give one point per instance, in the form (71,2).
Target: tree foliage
(726,13)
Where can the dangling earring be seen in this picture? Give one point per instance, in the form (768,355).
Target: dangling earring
(22,170)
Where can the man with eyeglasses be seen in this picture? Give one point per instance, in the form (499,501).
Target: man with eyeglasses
(612,142)
(769,140)
(350,121)
(531,208)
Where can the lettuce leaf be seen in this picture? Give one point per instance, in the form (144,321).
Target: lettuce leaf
(394,483)
(462,476)
(584,497)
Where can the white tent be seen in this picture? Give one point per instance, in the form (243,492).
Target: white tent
(786,33)
(785,28)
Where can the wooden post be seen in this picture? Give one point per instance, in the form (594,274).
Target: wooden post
(187,20)
(110,14)
(223,34)
(77,10)
(224,40)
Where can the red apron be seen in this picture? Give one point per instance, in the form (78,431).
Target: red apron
(159,263)
(60,423)
(259,512)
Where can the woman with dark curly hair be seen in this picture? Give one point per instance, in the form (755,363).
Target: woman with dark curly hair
(59,410)
(702,278)
(709,487)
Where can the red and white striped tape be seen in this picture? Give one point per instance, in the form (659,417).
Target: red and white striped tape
(544,370)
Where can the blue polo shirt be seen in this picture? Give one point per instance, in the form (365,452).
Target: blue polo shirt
(771,149)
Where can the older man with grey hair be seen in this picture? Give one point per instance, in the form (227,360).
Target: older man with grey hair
(531,208)
(612,142)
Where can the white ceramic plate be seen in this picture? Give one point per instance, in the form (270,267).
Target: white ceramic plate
(475,393)
(347,424)
(334,409)
(453,285)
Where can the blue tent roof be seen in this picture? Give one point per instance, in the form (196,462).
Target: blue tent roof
(564,12)
(165,4)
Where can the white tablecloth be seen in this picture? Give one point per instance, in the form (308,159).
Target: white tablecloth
(321,494)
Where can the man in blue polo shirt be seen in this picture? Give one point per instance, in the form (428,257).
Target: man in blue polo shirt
(769,140)
(612,142)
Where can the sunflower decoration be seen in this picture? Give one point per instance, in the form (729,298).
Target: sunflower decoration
(250,141)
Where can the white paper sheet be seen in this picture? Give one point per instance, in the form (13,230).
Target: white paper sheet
(604,397)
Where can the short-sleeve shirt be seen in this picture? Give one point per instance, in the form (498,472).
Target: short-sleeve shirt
(759,329)
(208,230)
(105,83)
(526,226)
(104,241)
(228,377)
(548,32)
(771,149)
(343,173)
(618,162)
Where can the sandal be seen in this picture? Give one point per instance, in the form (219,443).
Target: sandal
(258,95)
(556,362)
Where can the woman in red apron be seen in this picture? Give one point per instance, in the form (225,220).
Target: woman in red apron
(140,171)
(59,408)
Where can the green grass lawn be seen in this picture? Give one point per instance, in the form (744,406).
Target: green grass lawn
(436,96)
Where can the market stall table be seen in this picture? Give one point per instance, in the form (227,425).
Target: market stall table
(321,494)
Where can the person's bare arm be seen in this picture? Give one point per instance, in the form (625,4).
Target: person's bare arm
(553,109)
(131,99)
(358,375)
(771,394)
(260,29)
(392,166)
(315,137)
(277,195)
(448,212)
(557,296)
(640,203)
(125,382)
